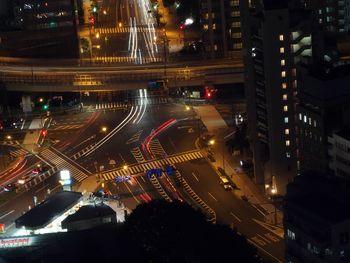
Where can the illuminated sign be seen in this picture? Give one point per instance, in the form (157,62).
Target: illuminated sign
(15,242)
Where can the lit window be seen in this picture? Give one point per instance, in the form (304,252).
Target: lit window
(314,123)
(281,37)
(288,154)
(283,74)
(300,116)
(291,234)
(286,119)
(284,85)
(309,121)
(286,131)
(287,142)
(281,49)
(285,97)
(283,62)
(285,108)
(305,118)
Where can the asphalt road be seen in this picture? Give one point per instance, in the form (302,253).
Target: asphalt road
(126,130)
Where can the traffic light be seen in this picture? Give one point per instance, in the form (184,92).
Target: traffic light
(182,27)
(45,107)
(208,94)
(92,20)
(44,132)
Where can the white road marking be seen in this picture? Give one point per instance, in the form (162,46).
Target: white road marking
(238,219)
(194,175)
(265,239)
(5,215)
(212,196)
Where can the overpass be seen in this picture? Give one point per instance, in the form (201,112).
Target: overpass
(47,77)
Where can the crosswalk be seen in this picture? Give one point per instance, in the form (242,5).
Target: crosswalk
(143,167)
(136,152)
(126,59)
(135,137)
(159,188)
(18,152)
(118,30)
(157,149)
(60,160)
(137,102)
(67,127)
(9,143)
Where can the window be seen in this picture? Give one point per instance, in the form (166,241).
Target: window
(281,50)
(214,26)
(300,116)
(205,27)
(281,37)
(287,142)
(284,85)
(305,118)
(285,96)
(290,234)
(294,72)
(285,108)
(236,24)
(283,74)
(314,123)
(288,154)
(283,62)
(286,131)
(309,121)
(286,119)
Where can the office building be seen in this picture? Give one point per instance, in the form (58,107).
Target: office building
(221,27)
(316,219)
(276,37)
(323,113)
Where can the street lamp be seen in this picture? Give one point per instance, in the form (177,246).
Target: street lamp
(188,108)
(97,35)
(211,142)
(125,167)
(104,129)
(9,137)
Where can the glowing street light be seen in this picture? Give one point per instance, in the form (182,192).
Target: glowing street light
(97,35)
(120,24)
(211,142)
(41,99)
(125,167)
(189,21)
(104,12)
(188,108)
(104,129)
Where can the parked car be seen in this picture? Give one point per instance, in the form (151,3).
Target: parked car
(246,164)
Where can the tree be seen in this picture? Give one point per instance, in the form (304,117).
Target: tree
(174,232)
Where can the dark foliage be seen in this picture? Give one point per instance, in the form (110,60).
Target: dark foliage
(174,232)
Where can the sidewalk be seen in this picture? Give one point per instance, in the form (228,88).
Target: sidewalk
(246,187)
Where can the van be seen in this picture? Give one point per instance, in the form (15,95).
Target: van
(226,183)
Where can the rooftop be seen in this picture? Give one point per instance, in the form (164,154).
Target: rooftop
(47,211)
(88,212)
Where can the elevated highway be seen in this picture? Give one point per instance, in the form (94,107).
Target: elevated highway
(45,77)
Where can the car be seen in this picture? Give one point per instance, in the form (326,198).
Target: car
(246,164)
(10,187)
(226,183)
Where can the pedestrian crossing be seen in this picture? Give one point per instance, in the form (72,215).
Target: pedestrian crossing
(143,167)
(118,30)
(9,143)
(18,152)
(60,160)
(159,188)
(126,59)
(137,102)
(136,152)
(157,149)
(66,127)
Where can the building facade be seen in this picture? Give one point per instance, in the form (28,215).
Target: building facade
(221,27)
(316,220)
(276,37)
